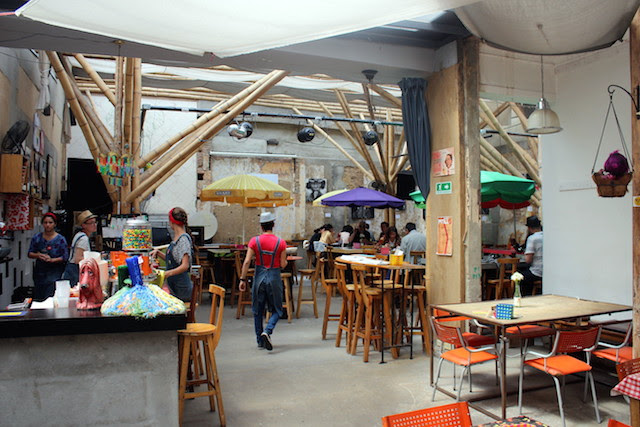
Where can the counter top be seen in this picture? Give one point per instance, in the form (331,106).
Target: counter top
(71,321)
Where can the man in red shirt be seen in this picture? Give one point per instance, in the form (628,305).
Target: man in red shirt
(269,251)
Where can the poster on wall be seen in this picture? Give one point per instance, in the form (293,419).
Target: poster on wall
(445,237)
(443,162)
(316,187)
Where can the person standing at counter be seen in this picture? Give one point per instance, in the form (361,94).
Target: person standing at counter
(89,224)
(49,249)
(179,256)
(271,256)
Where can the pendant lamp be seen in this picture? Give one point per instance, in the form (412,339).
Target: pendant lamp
(543,120)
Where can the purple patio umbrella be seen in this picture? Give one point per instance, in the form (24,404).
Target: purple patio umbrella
(362,196)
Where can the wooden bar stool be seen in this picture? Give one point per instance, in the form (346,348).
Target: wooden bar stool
(330,286)
(347,311)
(189,341)
(502,285)
(419,293)
(312,274)
(286,284)
(244,298)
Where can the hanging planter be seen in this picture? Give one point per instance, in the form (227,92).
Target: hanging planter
(612,180)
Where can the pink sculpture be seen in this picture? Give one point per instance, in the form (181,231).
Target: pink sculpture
(91,295)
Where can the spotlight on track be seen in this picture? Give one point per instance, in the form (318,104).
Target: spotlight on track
(240,131)
(306,134)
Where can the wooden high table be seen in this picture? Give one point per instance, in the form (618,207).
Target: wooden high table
(405,266)
(542,308)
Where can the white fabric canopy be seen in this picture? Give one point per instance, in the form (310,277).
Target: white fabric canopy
(549,27)
(226,28)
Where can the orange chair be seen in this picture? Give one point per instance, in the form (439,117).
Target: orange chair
(616,353)
(627,368)
(462,354)
(471,338)
(614,423)
(558,363)
(454,414)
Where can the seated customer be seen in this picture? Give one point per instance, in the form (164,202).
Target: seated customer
(391,238)
(360,234)
(413,241)
(532,255)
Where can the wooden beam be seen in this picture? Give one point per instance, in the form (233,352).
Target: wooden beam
(343,130)
(338,146)
(499,158)
(358,136)
(117,119)
(96,78)
(204,119)
(135,126)
(529,164)
(80,117)
(194,143)
(378,149)
(532,141)
(386,95)
(496,112)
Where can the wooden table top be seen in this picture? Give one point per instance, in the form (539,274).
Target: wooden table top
(383,264)
(540,308)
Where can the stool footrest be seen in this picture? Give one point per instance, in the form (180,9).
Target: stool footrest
(195,394)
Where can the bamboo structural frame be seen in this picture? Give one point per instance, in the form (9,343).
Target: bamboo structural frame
(321,131)
(136,125)
(524,122)
(204,119)
(525,159)
(65,81)
(196,139)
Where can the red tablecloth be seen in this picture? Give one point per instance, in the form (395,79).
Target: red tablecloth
(629,386)
(520,421)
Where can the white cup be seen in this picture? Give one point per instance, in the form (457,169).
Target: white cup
(63,290)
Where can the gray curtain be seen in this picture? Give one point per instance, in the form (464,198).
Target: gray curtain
(417,130)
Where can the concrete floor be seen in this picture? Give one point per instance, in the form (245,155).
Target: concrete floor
(308,381)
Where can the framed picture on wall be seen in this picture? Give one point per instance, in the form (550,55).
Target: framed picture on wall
(43,167)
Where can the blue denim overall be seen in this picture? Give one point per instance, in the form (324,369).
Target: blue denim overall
(267,289)
(180,284)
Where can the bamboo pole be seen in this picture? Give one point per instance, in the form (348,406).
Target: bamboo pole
(128,103)
(204,119)
(367,97)
(117,119)
(102,145)
(398,147)
(489,157)
(80,118)
(344,131)
(347,111)
(496,112)
(486,165)
(193,143)
(501,160)
(529,164)
(532,141)
(402,163)
(386,95)
(135,127)
(338,146)
(93,116)
(96,78)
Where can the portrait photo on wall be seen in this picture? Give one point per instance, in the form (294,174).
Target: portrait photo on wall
(443,162)
(316,187)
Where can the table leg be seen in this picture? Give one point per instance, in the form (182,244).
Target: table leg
(503,371)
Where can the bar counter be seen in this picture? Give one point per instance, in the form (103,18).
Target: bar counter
(69,367)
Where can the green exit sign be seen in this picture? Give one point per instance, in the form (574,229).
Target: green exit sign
(443,187)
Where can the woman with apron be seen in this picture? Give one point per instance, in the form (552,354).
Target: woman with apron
(178,256)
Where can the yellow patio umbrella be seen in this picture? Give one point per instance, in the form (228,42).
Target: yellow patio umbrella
(318,201)
(246,190)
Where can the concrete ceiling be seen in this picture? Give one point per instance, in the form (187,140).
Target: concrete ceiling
(403,49)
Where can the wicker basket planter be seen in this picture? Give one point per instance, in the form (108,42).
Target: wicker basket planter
(611,187)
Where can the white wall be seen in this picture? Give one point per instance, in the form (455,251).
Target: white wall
(587,239)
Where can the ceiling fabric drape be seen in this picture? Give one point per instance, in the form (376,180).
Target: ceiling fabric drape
(417,130)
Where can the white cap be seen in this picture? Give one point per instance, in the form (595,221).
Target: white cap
(267,217)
